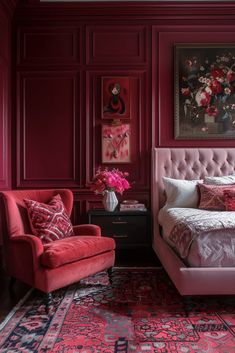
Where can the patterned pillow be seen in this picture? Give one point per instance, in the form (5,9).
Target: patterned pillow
(229,199)
(212,196)
(49,221)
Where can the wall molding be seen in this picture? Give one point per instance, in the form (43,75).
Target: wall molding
(9,6)
(136,10)
(61,46)
(38,170)
(4,123)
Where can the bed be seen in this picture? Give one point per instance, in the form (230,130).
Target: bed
(189,164)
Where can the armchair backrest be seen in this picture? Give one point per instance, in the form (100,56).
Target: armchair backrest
(16,220)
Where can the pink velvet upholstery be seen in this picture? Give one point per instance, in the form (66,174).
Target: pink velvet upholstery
(58,253)
(51,266)
(189,163)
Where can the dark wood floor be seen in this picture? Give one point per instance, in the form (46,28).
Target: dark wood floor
(124,258)
(137,258)
(9,298)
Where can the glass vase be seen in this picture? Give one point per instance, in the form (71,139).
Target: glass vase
(110,201)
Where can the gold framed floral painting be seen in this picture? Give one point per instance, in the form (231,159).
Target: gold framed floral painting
(204,91)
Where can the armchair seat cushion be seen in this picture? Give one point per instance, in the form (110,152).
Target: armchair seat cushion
(74,248)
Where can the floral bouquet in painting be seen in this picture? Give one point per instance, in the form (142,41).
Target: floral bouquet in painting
(207,90)
(110,180)
(116,143)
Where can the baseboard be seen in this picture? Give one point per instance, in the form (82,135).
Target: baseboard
(137,267)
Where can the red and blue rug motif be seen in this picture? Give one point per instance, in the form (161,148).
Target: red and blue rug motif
(140,313)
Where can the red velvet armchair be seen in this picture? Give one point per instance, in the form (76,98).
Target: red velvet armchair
(59,263)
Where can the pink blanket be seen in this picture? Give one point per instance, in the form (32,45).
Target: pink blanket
(200,237)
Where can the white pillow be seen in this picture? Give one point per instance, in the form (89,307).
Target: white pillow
(181,193)
(223,180)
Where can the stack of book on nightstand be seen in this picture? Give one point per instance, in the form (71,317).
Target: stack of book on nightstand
(132,205)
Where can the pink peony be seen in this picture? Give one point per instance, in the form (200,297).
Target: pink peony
(110,180)
(217,73)
(212,111)
(230,76)
(216,87)
(203,98)
(185,91)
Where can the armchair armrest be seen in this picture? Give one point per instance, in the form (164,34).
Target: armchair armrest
(31,246)
(87,229)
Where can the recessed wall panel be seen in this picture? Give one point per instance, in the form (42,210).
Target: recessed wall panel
(47,46)
(3,127)
(116,44)
(4,37)
(46,125)
(137,120)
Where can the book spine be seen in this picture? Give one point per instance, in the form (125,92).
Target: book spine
(132,207)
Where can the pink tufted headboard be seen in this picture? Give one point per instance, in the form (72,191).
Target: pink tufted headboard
(188,163)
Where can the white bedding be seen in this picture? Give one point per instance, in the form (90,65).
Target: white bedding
(210,235)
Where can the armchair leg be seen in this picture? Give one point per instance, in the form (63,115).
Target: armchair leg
(12,282)
(110,274)
(186,305)
(49,300)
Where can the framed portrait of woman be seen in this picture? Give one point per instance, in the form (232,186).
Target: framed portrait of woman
(115,97)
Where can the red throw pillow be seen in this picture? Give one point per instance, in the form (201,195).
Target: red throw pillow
(49,221)
(229,199)
(212,196)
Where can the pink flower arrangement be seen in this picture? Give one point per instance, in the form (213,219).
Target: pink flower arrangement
(110,180)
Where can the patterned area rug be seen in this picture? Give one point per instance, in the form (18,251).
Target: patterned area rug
(140,312)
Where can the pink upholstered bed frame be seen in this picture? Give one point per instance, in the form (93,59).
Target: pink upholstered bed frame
(190,163)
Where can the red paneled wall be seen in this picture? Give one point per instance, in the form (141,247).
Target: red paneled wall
(6,12)
(47,144)
(165,37)
(59,71)
(62,52)
(5,40)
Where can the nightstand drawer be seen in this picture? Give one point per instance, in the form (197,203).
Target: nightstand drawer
(127,229)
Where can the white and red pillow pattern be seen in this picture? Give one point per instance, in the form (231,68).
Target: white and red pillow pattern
(229,199)
(217,197)
(49,221)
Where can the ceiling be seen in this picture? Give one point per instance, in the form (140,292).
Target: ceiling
(195,1)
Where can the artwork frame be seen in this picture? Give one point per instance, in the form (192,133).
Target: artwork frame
(204,81)
(116,143)
(115,97)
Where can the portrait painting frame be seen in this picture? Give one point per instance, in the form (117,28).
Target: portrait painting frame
(115,97)
(116,144)
(204,81)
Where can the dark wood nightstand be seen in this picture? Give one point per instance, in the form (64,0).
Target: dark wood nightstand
(130,229)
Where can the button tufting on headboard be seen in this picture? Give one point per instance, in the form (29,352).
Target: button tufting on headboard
(190,163)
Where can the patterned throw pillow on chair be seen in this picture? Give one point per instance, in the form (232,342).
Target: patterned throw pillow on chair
(49,221)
